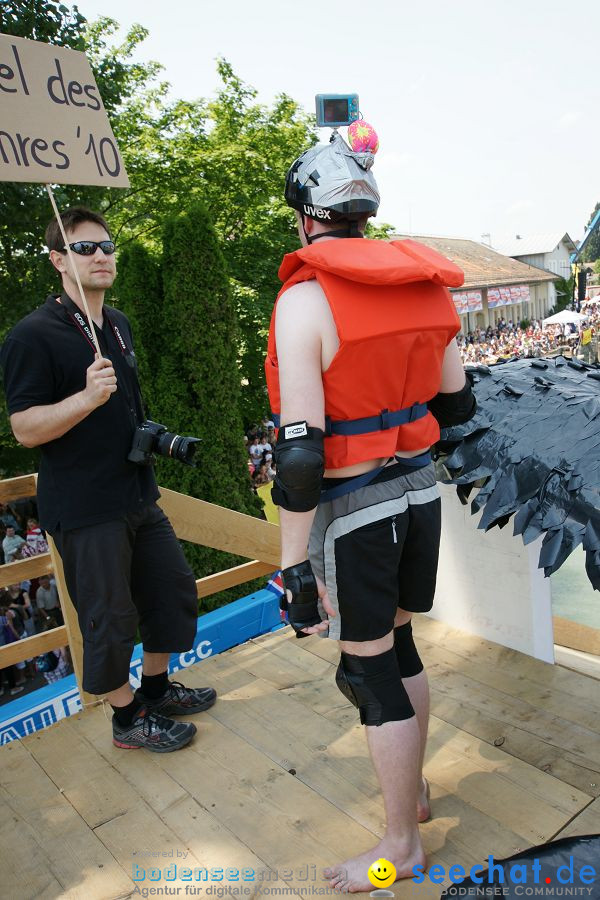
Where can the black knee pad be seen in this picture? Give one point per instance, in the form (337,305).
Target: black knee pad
(409,661)
(373,684)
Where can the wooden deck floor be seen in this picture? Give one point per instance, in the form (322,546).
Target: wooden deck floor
(279,776)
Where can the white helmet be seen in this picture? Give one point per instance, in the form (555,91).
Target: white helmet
(331,183)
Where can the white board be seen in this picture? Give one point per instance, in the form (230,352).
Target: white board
(489,583)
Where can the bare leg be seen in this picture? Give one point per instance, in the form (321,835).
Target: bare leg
(394,748)
(417,688)
(121,696)
(155,663)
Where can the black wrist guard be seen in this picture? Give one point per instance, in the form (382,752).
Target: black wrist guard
(455,408)
(300,462)
(303,611)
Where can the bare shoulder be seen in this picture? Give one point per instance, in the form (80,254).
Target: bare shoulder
(303,303)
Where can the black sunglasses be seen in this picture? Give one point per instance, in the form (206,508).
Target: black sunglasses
(88,248)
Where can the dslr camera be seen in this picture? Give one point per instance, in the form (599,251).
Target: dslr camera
(150,438)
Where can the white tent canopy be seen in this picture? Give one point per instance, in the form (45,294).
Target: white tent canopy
(563,317)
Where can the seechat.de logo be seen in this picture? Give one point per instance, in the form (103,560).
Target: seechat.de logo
(519,873)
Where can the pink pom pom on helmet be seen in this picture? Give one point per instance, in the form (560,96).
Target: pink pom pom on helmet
(362,137)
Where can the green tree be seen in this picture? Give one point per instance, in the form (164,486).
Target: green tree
(26,275)
(379,231)
(231,152)
(138,293)
(239,152)
(592,248)
(198,384)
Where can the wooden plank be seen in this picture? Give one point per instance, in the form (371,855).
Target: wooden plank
(586,822)
(222,529)
(25,569)
(220,581)
(275,668)
(33,646)
(199,831)
(487,722)
(577,636)
(324,698)
(110,807)
(580,742)
(472,647)
(47,849)
(516,687)
(498,786)
(280,818)
(15,488)
(336,765)
(69,612)
(79,771)
(343,774)
(492,729)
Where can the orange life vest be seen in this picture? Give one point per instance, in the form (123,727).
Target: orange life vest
(394,317)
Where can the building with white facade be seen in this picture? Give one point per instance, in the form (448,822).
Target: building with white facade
(550,251)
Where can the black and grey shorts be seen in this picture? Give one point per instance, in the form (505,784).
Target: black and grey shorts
(376,549)
(121,574)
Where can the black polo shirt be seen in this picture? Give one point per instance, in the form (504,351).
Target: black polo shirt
(84,476)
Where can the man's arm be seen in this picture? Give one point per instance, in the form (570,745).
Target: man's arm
(455,403)
(300,313)
(298,339)
(40,424)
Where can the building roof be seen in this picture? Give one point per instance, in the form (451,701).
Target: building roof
(483,267)
(533,244)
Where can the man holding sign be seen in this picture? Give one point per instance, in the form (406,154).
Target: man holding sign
(123,564)
(72,390)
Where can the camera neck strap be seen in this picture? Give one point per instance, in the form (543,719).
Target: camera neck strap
(82,324)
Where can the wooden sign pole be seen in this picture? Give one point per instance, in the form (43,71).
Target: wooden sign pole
(76,273)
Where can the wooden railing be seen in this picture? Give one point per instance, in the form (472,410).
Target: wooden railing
(193,520)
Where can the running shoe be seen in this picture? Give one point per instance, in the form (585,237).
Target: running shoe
(154,732)
(179,700)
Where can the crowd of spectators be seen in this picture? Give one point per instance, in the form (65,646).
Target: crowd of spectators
(30,606)
(509,339)
(259,441)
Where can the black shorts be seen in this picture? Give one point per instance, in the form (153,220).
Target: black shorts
(376,549)
(120,574)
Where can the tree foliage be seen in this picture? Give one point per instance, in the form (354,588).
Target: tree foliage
(592,248)
(230,151)
(196,390)
(138,293)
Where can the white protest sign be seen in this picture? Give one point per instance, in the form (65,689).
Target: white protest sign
(53,125)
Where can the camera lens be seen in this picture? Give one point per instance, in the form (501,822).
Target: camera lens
(177,447)
(185,449)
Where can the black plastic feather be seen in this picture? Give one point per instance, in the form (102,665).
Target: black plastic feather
(533,447)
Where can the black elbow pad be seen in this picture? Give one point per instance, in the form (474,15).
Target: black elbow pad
(454,409)
(300,462)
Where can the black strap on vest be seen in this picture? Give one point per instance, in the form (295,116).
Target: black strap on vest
(382,422)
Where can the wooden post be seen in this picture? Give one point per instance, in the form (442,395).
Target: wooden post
(71,623)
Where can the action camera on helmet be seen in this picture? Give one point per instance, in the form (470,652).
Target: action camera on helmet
(336,110)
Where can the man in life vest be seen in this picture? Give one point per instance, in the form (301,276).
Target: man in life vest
(362,368)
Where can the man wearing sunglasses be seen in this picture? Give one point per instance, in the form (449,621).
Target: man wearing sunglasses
(123,564)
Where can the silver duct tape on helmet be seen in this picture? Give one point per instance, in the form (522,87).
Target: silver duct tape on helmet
(332,182)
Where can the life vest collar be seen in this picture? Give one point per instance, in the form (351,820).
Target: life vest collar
(375,262)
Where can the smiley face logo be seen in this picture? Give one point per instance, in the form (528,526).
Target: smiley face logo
(381,873)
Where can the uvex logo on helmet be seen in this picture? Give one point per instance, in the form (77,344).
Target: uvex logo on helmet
(315,211)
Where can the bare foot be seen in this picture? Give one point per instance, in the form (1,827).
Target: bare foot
(423,805)
(351,875)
